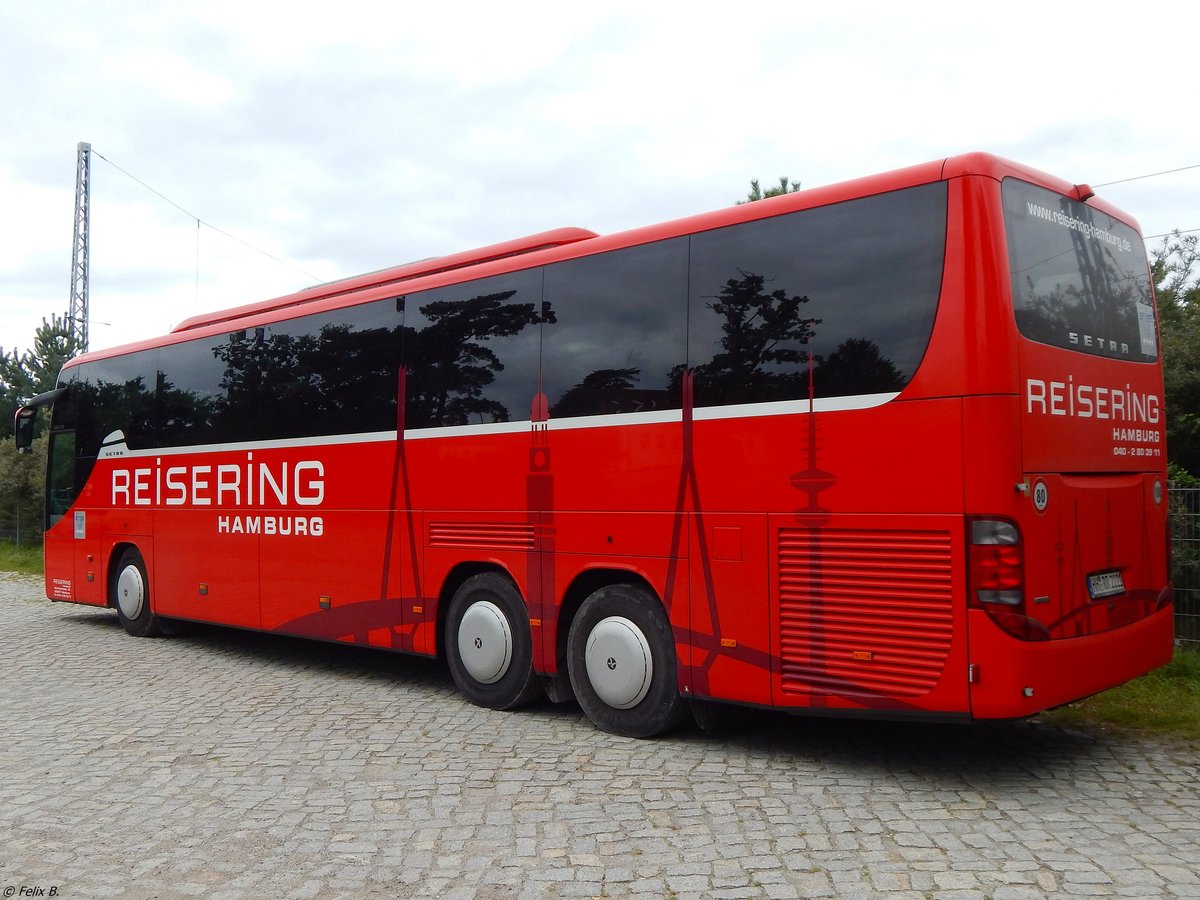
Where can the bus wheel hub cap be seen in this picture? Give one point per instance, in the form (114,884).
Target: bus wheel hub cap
(131,592)
(485,642)
(619,664)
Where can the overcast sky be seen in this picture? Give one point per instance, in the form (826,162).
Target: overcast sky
(350,136)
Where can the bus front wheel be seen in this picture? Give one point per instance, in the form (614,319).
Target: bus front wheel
(489,646)
(621,659)
(130,592)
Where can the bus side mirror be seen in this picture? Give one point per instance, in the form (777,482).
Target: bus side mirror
(23,428)
(26,416)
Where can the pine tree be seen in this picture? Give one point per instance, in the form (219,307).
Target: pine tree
(757,193)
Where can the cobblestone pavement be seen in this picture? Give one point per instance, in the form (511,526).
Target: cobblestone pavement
(233,764)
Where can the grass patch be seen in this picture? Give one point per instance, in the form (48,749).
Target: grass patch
(1165,702)
(27,560)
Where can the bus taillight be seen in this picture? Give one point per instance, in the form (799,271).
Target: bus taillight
(996,564)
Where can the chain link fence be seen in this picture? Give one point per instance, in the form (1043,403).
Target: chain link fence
(16,531)
(1185,563)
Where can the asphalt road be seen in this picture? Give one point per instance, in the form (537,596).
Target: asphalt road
(233,764)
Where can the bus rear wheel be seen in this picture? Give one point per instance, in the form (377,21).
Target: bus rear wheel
(621,659)
(489,646)
(129,591)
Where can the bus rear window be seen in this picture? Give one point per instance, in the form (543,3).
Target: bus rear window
(1079,276)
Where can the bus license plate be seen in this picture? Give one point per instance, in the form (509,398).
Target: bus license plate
(1105,584)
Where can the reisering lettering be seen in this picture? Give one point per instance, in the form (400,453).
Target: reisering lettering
(1090,401)
(250,483)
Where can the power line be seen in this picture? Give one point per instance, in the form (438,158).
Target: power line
(1151,175)
(296,268)
(1150,237)
(200,222)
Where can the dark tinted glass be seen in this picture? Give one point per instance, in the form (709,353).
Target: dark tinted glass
(844,294)
(614,338)
(62,456)
(194,395)
(855,284)
(1079,277)
(115,395)
(61,487)
(332,373)
(471,351)
(106,396)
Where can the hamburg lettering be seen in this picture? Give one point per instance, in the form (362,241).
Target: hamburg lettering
(283,526)
(1136,436)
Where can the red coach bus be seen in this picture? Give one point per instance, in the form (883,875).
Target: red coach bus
(893,446)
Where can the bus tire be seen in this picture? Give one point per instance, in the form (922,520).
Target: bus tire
(489,645)
(622,663)
(130,593)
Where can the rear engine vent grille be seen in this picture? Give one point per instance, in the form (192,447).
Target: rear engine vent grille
(864,613)
(481,535)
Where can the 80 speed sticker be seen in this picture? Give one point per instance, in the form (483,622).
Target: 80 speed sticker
(1041,495)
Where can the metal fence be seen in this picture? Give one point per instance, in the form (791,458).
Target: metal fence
(17,536)
(16,528)
(1185,563)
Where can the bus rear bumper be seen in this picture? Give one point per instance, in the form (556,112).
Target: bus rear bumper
(1011,678)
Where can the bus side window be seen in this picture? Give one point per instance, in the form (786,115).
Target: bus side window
(849,290)
(472,351)
(616,342)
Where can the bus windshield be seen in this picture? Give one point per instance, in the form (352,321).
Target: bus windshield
(1079,276)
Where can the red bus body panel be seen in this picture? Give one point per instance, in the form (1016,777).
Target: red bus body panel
(806,560)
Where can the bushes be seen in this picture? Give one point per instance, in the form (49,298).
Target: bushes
(22,493)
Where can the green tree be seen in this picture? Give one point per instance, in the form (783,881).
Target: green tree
(1176,271)
(53,345)
(16,386)
(22,492)
(25,375)
(22,377)
(757,193)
